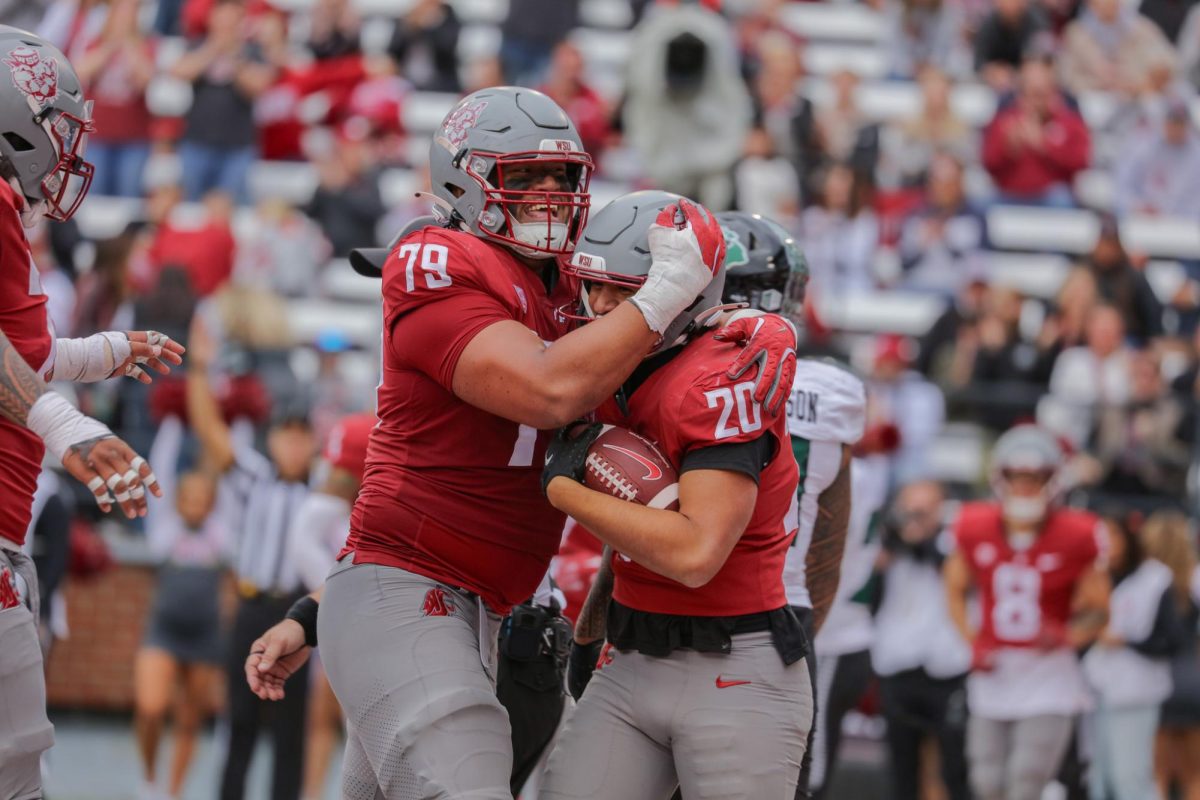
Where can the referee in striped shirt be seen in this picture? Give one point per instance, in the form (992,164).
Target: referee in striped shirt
(260,494)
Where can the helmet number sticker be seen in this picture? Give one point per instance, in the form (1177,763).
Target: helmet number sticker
(433,260)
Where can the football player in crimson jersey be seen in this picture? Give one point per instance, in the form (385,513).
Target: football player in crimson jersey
(450,528)
(44,120)
(703,683)
(1043,591)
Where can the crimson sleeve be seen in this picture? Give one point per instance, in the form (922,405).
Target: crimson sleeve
(995,155)
(717,411)
(432,337)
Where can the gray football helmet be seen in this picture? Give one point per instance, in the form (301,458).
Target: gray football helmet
(44,122)
(615,248)
(1028,448)
(764,267)
(479,161)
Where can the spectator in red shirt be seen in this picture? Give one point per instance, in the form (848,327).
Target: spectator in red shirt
(1037,142)
(202,246)
(115,71)
(564,85)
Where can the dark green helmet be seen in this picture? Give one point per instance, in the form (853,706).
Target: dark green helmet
(764,266)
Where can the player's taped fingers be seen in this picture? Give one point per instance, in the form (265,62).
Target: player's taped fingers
(99,492)
(143,469)
(126,478)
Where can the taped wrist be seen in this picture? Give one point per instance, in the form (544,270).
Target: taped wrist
(60,425)
(91,359)
(304,611)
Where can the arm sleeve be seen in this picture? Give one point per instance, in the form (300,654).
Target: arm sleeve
(995,155)
(748,458)
(432,337)
(1168,632)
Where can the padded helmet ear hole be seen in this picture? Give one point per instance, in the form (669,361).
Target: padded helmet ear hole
(457,191)
(17,142)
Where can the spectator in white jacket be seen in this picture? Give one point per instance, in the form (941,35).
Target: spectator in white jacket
(1087,377)
(687,109)
(920,657)
(1129,670)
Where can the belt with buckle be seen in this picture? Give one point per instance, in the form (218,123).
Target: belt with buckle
(248,590)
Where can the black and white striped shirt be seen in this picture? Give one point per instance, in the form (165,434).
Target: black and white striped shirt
(260,506)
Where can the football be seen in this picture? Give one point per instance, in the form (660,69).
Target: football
(630,467)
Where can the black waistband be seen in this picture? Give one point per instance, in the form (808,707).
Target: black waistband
(655,634)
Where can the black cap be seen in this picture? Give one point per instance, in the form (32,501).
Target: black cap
(368,261)
(289,413)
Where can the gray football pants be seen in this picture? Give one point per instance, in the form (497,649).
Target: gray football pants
(404,657)
(1015,760)
(717,725)
(25,730)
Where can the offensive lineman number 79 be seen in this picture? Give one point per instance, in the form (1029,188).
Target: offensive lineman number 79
(433,258)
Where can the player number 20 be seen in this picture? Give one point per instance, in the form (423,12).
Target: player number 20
(432,257)
(1016,614)
(740,397)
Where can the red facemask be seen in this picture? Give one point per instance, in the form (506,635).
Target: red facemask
(505,200)
(65,186)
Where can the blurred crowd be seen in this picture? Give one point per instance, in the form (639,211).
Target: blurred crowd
(715,101)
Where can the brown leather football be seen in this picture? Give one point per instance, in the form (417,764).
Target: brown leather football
(630,467)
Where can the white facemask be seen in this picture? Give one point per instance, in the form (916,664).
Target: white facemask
(1024,510)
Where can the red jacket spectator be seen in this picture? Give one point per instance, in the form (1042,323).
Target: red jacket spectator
(203,246)
(583,105)
(1035,144)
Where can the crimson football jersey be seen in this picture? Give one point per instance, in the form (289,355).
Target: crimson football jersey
(24,320)
(451,491)
(347,445)
(689,404)
(1025,595)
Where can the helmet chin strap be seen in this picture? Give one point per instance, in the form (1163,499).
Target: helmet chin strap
(533,233)
(1023,514)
